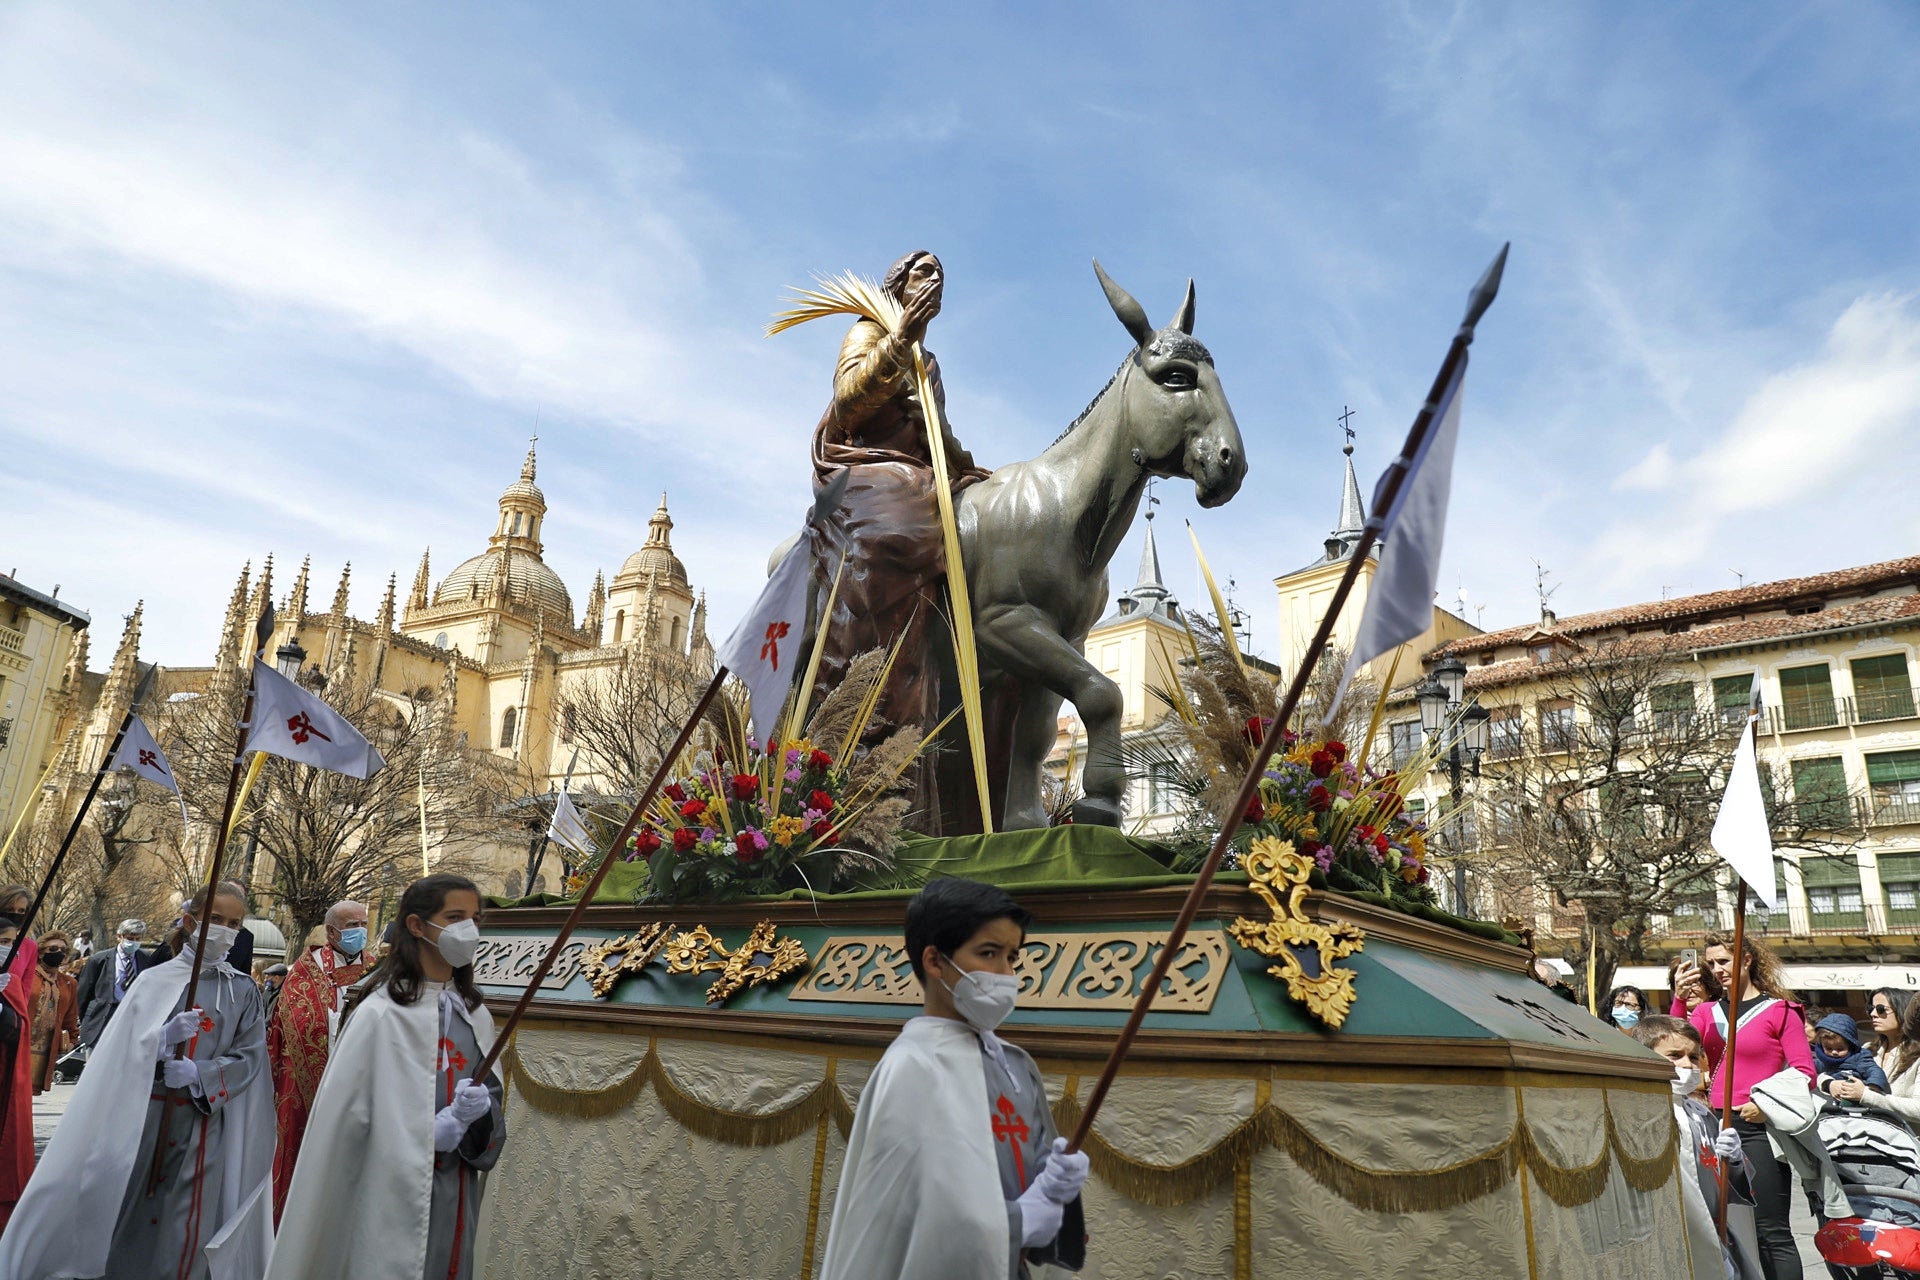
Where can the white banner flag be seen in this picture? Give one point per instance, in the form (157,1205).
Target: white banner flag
(764,650)
(291,723)
(568,828)
(1740,832)
(140,753)
(1400,602)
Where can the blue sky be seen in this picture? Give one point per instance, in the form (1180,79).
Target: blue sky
(303,279)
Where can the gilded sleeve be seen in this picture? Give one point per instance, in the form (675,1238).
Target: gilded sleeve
(872,370)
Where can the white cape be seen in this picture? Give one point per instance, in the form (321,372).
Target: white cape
(63,1225)
(920,1189)
(361,1199)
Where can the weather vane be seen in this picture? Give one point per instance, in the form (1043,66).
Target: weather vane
(1152,500)
(1346,416)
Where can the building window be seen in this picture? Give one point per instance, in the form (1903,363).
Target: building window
(1160,787)
(509,724)
(1405,739)
(1506,732)
(440,641)
(1893,779)
(1880,688)
(1900,878)
(1672,707)
(619,624)
(1806,697)
(1731,697)
(569,722)
(673,639)
(1833,893)
(1556,725)
(1820,793)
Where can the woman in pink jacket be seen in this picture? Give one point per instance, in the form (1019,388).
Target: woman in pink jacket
(1770,1040)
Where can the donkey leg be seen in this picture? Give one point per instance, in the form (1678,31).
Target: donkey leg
(1034,732)
(1024,644)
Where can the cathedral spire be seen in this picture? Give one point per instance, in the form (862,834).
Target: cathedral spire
(76,662)
(422,583)
(297,601)
(1353,516)
(262,597)
(342,593)
(526,468)
(123,675)
(383,624)
(235,621)
(596,607)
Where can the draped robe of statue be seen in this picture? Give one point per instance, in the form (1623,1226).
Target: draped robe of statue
(299,1034)
(143,1182)
(887,524)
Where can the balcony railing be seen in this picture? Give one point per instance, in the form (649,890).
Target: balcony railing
(1876,706)
(13,641)
(1890,812)
(6,731)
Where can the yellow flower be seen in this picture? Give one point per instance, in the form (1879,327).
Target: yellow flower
(1274,812)
(1309,832)
(1417,843)
(784,829)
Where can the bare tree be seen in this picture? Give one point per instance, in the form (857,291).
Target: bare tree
(625,717)
(1602,794)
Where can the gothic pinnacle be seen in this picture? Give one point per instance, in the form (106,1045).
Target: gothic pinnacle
(422,583)
(297,601)
(341,592)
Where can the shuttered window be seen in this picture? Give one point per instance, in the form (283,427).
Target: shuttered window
(1806,696)
(1730,697)
(1833,893)
(1820,792)
(1893,778)
(1900,881)
(1880,688)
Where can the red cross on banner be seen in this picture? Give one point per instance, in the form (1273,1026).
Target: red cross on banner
(776,631)
(293,724)
(301,727)
(752,652)
(142,755)
(1009,1128)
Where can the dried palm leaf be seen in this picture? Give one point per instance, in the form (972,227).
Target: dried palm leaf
(843,295)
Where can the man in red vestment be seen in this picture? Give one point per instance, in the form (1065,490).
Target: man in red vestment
(300,1032)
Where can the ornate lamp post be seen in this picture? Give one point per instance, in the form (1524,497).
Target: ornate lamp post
(288,657)
(1440,697)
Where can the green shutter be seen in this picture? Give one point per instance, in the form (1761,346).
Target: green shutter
(1671,697)
(1807,682)
(1880,688)
(1890,768)
(1730,693)
(1899,867)
(1822,872)
(1820,792)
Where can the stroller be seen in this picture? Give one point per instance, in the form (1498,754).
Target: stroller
(1878,1159)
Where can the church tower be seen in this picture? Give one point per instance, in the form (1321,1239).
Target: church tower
(650,601)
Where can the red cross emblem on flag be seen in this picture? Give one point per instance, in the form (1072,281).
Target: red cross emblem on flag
(150,760)
(301,727)
(1008,1127)
(776,631)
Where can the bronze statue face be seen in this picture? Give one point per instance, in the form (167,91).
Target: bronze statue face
(924,277)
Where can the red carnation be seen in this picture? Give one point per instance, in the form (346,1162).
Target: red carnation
(744,786)
(684,839)
(693,808)
(820,760)
(1321,763)
(1255,810)
(1288,738)
(1256,729)
(1319,799)
(646,844)
(1338,750)
(820,800)
(746,852)
(822,829)
(676,793)
(1380,844)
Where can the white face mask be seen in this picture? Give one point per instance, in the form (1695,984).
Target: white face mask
(220,939)
(458,942)
(1686,1078)
(983,999)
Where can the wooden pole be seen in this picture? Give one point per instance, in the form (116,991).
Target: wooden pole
(262,632)
(1734,997)
(592,887)
(1389,492)
(99,775)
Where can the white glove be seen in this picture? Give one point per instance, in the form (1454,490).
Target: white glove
(1039,1216)
(448,1129)
(181,1073)
(470,1101)
(1060,1181)
(6,980)
(179,1028)
(1726,1145)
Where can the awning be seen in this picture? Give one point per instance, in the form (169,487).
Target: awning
(1801,977)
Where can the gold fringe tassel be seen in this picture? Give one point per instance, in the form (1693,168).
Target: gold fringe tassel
(1162,1185)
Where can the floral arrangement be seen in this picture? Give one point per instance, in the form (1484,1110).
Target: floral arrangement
(1351,821)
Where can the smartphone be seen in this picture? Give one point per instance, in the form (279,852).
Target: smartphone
(1690,955)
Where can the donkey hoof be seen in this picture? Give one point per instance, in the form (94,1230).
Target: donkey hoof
(1090,811)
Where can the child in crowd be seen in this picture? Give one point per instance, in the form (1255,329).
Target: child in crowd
(953,1171)
(1837,1054)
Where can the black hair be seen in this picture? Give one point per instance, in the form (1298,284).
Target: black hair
(950,910)
(1646,1006)
(404,971)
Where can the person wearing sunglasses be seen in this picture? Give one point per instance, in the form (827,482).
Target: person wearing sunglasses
(1896,1027)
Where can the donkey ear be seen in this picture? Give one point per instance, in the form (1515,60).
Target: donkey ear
(1131,313)
(1184,320)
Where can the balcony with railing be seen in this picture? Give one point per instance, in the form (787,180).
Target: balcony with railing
(1874,706)
(12,641)
(6,732)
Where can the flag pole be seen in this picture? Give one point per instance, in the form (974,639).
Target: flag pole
(592,886)
(1733,1029)
(1477,303)
(99,775)
(262,632)
(540,849)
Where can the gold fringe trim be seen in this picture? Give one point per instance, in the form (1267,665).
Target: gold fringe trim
(1162,1185)
(816,1184)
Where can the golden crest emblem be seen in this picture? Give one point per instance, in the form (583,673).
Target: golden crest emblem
(1278,874)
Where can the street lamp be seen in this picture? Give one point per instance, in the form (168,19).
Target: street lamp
(117,796)
(1439,696)
(288,658)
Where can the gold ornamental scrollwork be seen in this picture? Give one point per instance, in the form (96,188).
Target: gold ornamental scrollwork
(1274,869)
(604,962)
(763,959)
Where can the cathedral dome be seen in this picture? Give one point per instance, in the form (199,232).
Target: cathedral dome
(529,581)
(656,557)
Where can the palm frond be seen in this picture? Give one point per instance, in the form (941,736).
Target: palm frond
(843,295)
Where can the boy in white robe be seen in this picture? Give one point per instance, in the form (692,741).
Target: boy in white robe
(953,1170)
(158,1152)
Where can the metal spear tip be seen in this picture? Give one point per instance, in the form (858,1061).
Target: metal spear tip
(827,501)
(263,629)
(1489,287)
(149,670)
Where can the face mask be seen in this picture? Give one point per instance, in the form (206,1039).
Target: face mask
(54,959)
(984,999)
(220,938)
(458,942)
(1624,1018)
(1686,1078)
(129,944)
(15,918)
(353,941)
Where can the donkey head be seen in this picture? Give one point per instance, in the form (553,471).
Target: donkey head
(1176,413)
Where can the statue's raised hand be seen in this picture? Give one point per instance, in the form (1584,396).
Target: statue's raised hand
(921,307)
